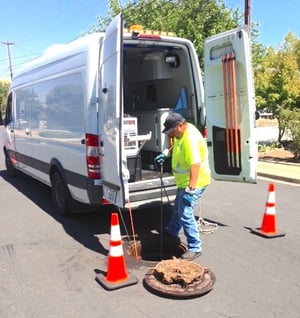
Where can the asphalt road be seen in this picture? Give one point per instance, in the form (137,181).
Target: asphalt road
(48,263)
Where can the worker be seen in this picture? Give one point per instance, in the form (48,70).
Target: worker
(190,168)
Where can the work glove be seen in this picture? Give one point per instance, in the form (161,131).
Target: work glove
(160,159)
(187,198)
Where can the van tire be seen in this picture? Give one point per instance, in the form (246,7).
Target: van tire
(60,194)
(12,171)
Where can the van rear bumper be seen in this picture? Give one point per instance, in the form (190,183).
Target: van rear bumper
(95,193)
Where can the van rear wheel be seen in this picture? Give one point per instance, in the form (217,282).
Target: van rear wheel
(60,194)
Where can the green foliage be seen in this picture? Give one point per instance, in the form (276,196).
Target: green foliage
(194,20)
(295,133)
(290,125)
(268,146)
(277,85)
(4,87)
(277,80)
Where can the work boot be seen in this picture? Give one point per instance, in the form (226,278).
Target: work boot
(189,255)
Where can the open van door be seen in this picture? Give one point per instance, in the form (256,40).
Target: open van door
(111,114)
(230,106)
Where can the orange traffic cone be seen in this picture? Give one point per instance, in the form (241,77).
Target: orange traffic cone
(116,276)
(268,226)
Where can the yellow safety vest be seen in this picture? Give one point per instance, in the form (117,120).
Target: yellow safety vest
(191,148)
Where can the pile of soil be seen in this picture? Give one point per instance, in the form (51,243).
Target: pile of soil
(278,154)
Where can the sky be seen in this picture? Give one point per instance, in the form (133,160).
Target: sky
(32,26)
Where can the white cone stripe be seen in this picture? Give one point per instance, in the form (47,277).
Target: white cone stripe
(116,251)
(271,198)
(115,233)
(270,210)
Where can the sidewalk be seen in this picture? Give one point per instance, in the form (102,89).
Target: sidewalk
(283,171)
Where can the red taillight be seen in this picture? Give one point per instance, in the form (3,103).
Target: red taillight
(93,156)
(204,132)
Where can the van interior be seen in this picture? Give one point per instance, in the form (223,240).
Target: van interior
(157,80)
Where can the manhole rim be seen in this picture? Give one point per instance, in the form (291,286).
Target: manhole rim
(173,291)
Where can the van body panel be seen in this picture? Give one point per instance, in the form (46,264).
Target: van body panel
(53,97)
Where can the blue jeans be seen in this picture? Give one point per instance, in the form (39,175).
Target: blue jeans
(183,216)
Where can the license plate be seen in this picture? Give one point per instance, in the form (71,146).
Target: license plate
(110,194)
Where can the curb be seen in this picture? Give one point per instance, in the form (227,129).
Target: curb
(279,162)
(280,178)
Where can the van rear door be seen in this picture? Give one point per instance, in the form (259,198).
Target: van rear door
(230,106)
(111,114)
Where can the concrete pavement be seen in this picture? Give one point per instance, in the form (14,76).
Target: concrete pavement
(288,172)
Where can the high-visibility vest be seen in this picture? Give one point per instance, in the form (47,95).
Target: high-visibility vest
(189,149)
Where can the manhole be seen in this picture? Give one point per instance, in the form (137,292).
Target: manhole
(156,249)
(179,278)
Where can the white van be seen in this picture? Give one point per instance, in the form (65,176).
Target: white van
(86,117)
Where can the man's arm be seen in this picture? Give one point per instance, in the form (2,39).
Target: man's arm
(194,173)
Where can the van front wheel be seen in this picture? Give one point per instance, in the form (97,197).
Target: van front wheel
(60,194)
(12,171)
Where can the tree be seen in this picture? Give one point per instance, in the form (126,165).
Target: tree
(194,20)
(294,128)
(290,119)
(277,81)
(4,87)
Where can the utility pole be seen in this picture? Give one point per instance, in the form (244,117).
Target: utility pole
(9,57)
(248,15)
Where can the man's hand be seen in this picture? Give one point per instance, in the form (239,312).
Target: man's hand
(187,198)
(160,159)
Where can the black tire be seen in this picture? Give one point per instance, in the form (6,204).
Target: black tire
(60,194)
(12,171)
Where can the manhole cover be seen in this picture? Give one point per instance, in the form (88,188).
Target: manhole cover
(156,249)
(179,279)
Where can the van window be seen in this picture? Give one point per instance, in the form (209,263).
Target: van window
(63,101)
(23,108)
(54,108)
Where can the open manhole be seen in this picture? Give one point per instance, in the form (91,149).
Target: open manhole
(156,249)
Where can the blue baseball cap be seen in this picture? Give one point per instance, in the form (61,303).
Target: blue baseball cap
(172,121)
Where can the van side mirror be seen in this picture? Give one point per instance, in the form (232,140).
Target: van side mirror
(8,111)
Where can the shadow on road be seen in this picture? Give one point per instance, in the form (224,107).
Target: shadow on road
(84,227)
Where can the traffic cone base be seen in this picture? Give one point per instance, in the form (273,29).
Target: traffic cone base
(130,280)
(258,231)
(268,227)
(116,276)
